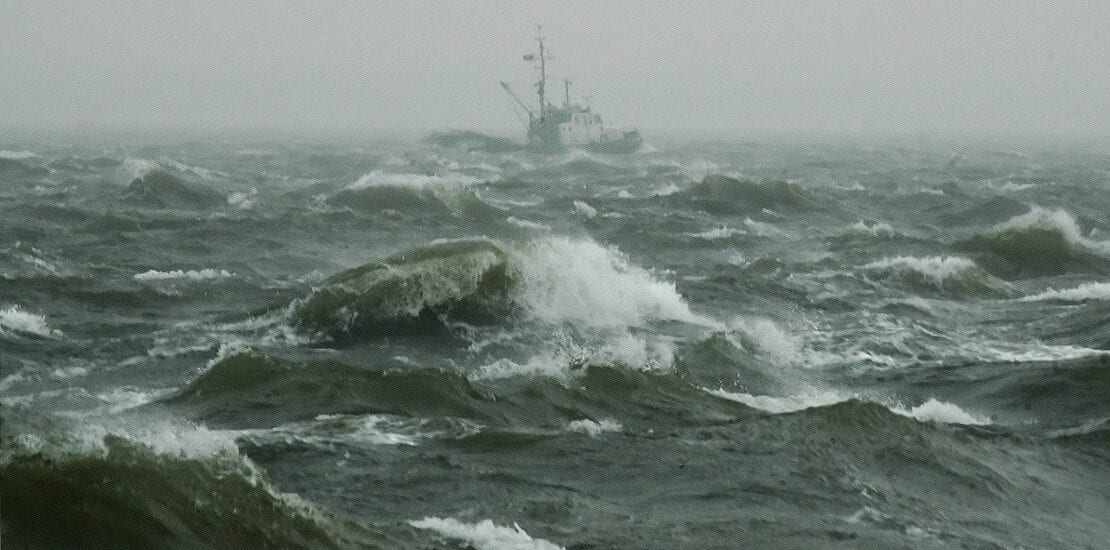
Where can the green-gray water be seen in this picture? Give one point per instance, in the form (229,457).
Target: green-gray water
(400,345)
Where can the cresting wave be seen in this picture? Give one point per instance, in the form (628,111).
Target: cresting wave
(1081,293)
(14,320)
(931,410)
(554,280)
(939,272)
(485,535)
(416,195)
(1039,241)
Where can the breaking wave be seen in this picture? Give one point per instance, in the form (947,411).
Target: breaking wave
(192,274)
(938,272)
(931,410)
(1041,240)
(485,535)
(1081,293)
(555,280)
(14,320)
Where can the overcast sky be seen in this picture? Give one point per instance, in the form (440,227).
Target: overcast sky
(720,67)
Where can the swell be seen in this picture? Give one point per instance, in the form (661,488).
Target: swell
(719,194)
(250,389)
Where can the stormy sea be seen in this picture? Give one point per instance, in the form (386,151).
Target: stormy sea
(276,343)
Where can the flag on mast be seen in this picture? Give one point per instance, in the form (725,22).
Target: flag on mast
(530,57)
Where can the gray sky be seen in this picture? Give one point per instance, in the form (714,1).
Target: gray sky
(722,68)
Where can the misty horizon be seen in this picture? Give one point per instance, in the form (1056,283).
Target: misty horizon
(716,70)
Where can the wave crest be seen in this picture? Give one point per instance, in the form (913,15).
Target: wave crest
(554,280)
(1041,240)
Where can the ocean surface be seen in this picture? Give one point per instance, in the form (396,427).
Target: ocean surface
(276,343)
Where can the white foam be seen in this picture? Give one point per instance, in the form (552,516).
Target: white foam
(1008,187)
(528,224)
(137,168)
(588,285)
(719,232)
(244,200)
(1025,352)
(778,405)
(876,229)
(929,411)
(485,535)
(942,412)
(1081,293)
(764,229)
(665,190)
(15,319)
(419,182)
(1052,220)
(62,373)
(938,269)
(594,429)
(191,274)
(769,338)
(585,209)
(16,155)
(205,173)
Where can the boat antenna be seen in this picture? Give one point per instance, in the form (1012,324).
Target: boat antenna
(566,87)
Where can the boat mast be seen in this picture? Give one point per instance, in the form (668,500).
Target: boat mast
(566,88)
(543,74)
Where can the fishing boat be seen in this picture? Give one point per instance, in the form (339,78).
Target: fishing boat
(553,129)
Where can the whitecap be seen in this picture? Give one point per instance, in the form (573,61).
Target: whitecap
(485,535)
(719,232)
(15,319)
(780,405)
(379,178)
(937,269)
(585,209)
(1081,293)
(192,274)
(594,429)
(941,412)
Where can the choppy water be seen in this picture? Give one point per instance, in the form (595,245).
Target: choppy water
(395,345)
